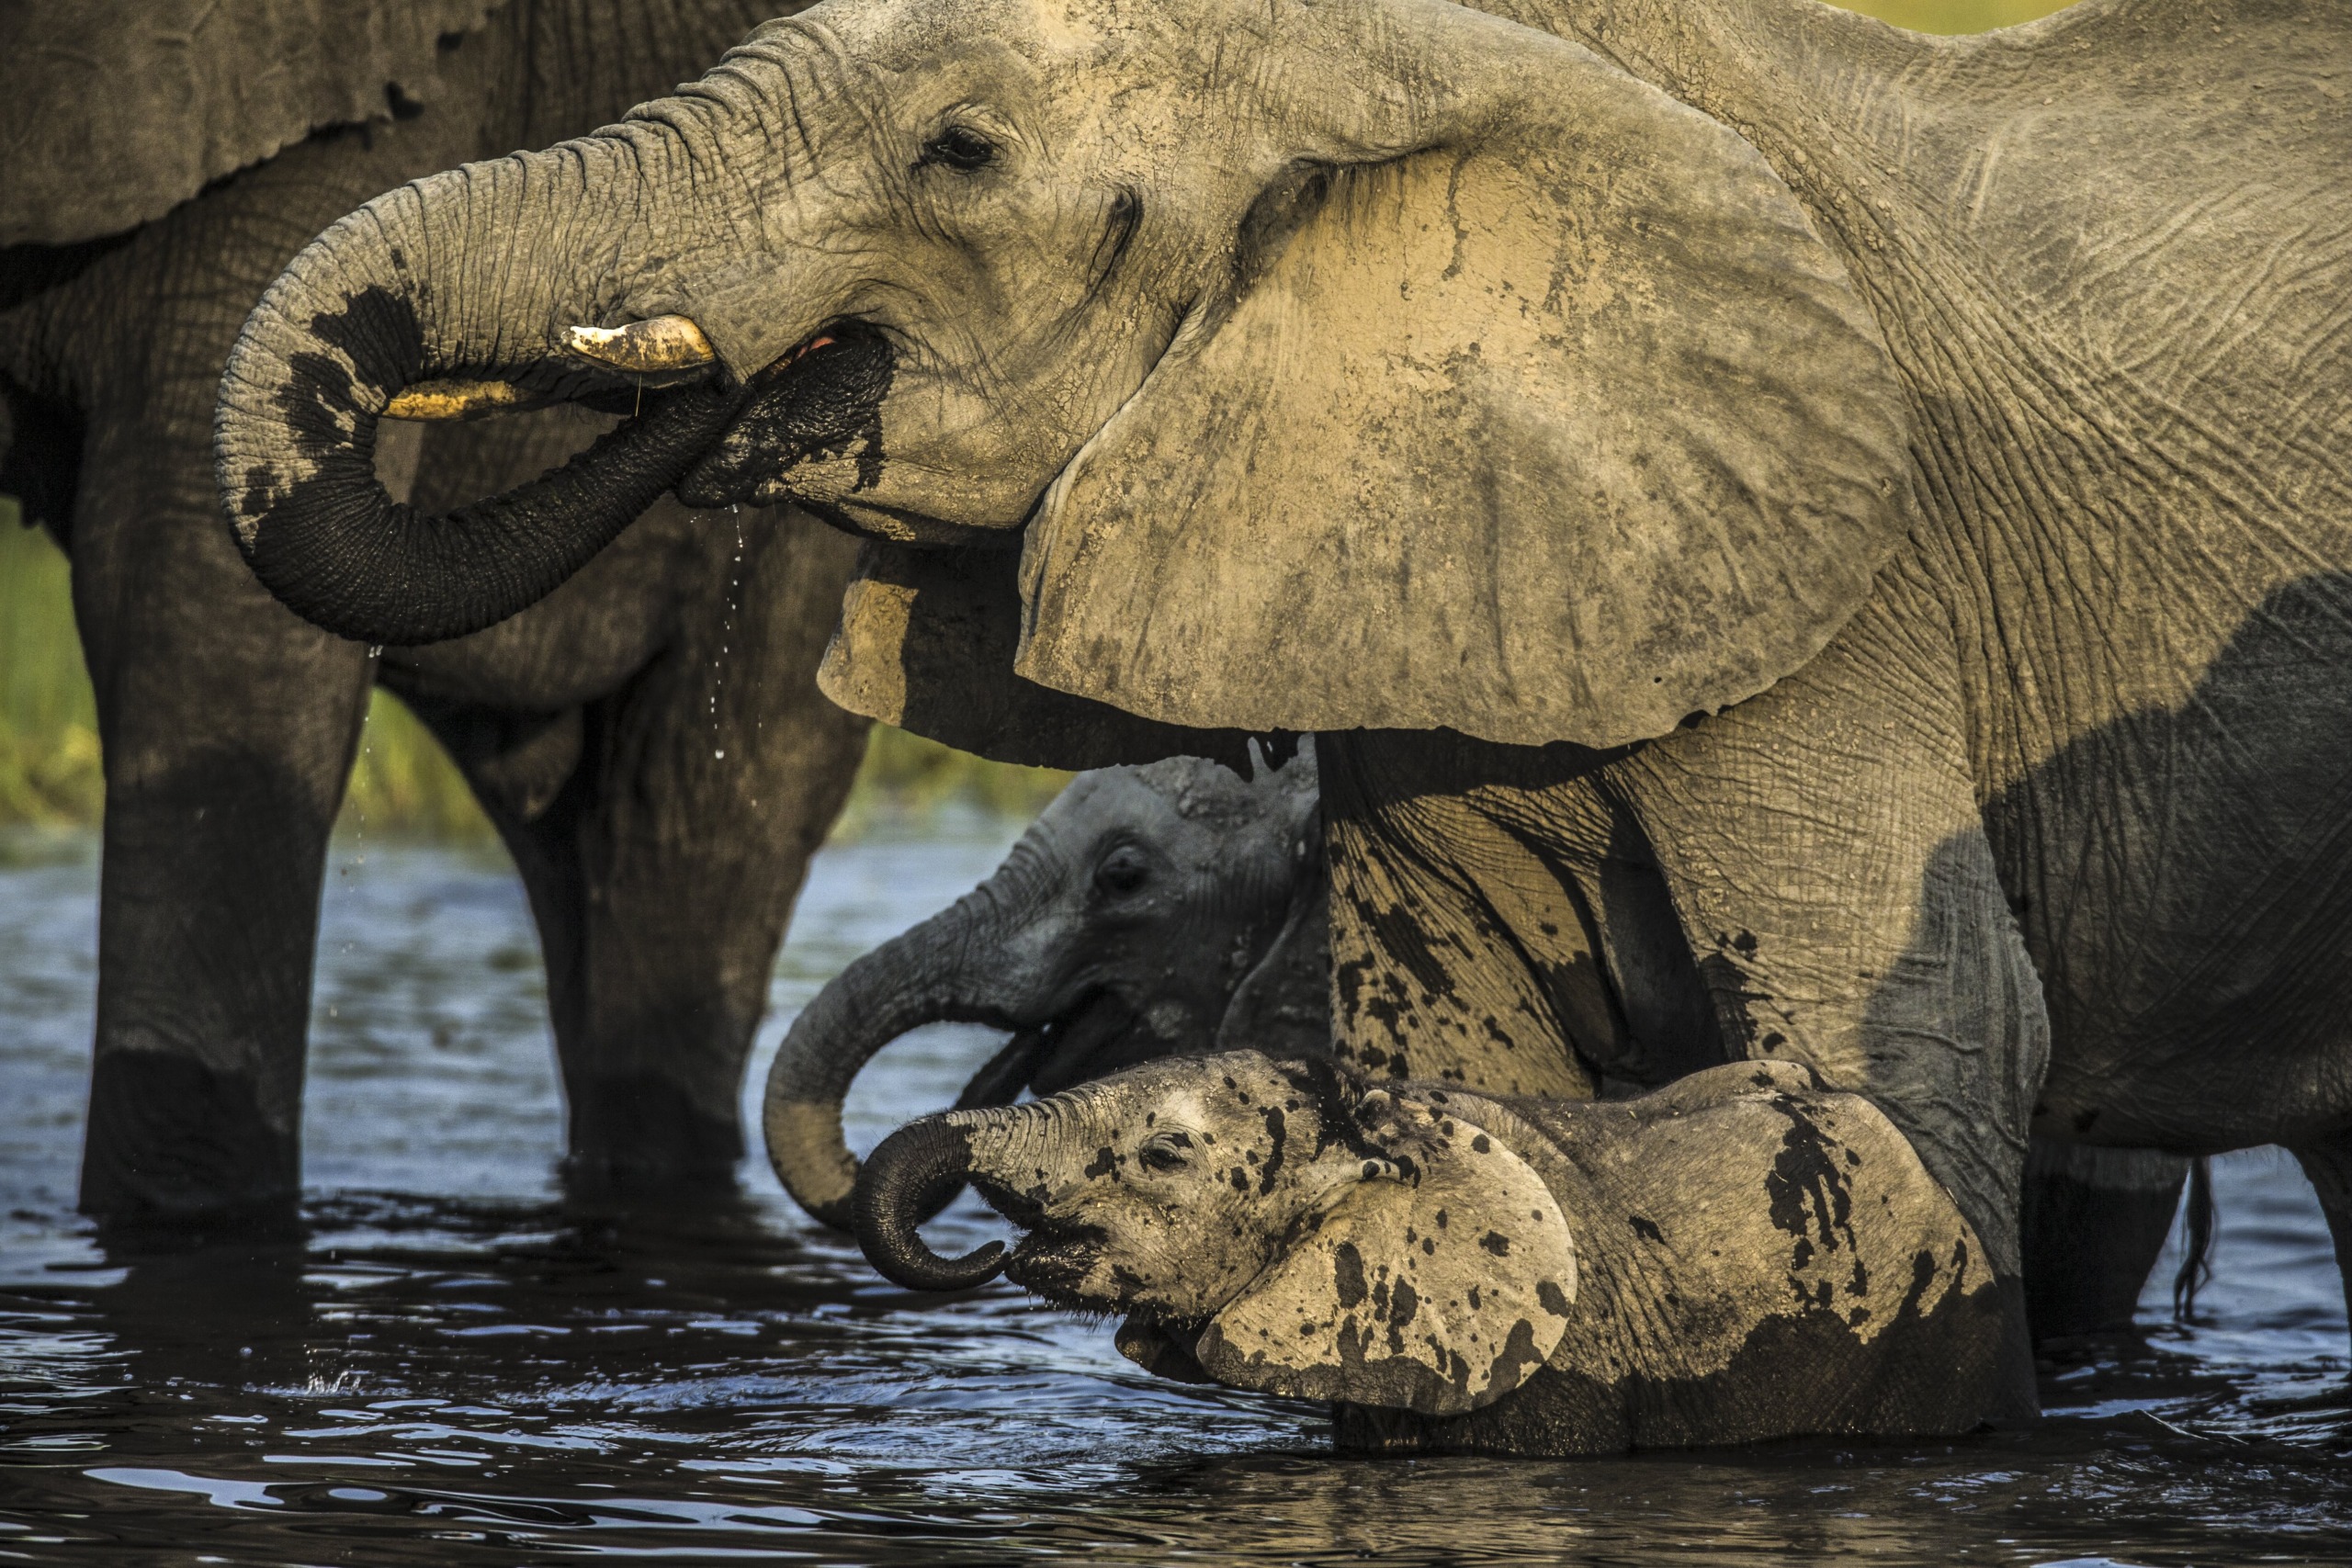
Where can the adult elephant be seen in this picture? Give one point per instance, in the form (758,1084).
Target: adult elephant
(1798,540)
(1148,912)
(648,742)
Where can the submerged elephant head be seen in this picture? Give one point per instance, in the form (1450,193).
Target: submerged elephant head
(1230,307)
(1277,1225)
(1148,912)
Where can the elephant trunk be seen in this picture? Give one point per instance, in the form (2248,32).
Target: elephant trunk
(386,299)
(905,1178)
(918,978)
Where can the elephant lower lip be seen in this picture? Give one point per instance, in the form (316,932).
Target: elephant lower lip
(1056,1269)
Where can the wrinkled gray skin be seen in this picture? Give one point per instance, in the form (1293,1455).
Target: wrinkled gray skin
(661,874)
(1799,541)
(1148,912)
(1456,1271)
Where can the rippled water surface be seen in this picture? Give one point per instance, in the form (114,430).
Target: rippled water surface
(456,1366)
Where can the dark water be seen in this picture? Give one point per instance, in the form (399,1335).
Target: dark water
(458,1367)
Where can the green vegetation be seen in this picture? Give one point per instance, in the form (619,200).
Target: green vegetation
(1954,15)
(49,728)
(48,744)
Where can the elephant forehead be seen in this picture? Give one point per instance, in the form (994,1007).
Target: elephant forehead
(1229,1097)
(911,34)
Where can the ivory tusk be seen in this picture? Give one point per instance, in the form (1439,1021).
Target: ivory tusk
(664,344)
(454,400)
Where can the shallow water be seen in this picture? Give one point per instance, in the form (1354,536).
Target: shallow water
(457,1367)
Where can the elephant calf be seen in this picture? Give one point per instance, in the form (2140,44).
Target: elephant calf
(1459,1272)
(1148,911)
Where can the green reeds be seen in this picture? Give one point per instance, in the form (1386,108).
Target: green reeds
(49,726)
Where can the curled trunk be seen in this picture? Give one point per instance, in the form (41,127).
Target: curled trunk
(906,1178)
(917,977)
(384,300)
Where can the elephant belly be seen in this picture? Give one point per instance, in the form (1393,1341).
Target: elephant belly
(2183,877)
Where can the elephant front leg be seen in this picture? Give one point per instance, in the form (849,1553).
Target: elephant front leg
(228,728)
(663,830)
(1810,866)
(1830,866)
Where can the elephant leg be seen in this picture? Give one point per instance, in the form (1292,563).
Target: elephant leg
(1812,862)
(2327,1163)
(663,830)
(228,728)
(2092,1224)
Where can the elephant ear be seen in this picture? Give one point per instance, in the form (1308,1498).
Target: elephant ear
(119,110)
(1437,1283)
(926,642)
(1560,429)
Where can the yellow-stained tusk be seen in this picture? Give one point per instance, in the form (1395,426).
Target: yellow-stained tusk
(454,400)
(644,348)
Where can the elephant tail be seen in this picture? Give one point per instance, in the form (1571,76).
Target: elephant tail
(2196,1250)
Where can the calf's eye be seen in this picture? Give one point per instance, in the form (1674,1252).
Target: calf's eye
(1165,1151)
(1123,870)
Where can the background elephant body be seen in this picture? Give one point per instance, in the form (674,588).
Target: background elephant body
(648,743)
(1149,912)
(1456,1272)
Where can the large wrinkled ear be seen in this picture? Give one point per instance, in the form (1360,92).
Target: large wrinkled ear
(118,110)
(1437,1283)
(926,642)
(1562,428)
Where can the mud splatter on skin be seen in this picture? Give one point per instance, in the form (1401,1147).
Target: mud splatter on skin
(432,578)
(1810,1198)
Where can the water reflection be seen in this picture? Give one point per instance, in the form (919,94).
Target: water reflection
(455,1362)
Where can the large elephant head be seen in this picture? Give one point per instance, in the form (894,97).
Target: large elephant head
(1149,912)
(1371,363)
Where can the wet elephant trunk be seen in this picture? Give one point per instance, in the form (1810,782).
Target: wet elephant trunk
(388,298)
(918,978)
(911,1170)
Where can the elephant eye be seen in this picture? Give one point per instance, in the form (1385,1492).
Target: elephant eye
(1123,870)
(958,147)
(1164,1151)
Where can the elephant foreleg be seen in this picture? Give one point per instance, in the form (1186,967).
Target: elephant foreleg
(663,830)
(228,727)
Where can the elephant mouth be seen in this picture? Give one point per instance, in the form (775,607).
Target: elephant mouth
(1055,1263)
(1096,1035)
(820,401)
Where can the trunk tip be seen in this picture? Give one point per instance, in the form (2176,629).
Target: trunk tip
(899,1183)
